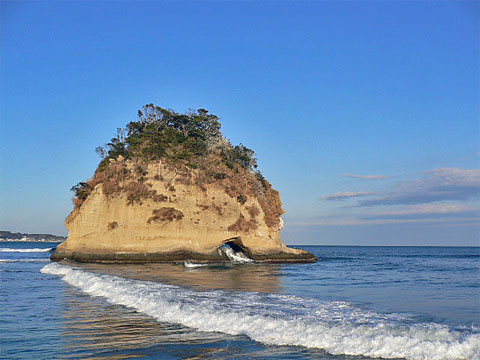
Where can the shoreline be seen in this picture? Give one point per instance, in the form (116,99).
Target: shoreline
(178,256)
(35,241)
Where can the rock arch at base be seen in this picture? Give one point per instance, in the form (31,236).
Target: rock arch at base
(237,246)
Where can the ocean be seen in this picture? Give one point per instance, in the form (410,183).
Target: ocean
(354,303)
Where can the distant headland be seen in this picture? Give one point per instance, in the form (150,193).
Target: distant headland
(9,236)
(171,188)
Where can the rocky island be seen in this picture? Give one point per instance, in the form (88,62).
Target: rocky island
(171,188)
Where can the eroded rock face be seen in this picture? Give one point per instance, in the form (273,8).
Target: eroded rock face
(177,220)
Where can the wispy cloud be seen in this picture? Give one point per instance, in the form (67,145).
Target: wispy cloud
(447,214)
(427,211)
(435,185)
(345,195)
(367,177)
(352,221)
(438,197)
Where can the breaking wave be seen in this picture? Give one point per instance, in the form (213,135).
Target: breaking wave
(23,260)
(336,327)
(34,250)
(191,265)
(235,256)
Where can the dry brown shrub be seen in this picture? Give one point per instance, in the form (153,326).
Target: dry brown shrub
(201,180)
(213,207)
(184,177)
(158,197)
(253,211)
(203,206)
(136,192)
(184,181)
(112,225)
(242,225)
(237,182)
(111,176)
(271,206)
(116,178)
(165,214)
(217,208)
(201,185)
(170,187)
(77,202)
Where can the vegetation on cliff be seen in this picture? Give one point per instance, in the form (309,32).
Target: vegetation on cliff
(189,144)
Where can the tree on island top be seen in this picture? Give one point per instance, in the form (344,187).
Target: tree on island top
(164,134)
(183,141)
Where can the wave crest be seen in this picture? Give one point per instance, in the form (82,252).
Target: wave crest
(22,260)
(26,250)
(336,327)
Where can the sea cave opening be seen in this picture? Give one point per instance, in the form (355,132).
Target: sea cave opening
(235,251)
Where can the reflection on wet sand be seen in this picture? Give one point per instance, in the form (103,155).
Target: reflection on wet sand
(93,329)
(247,277)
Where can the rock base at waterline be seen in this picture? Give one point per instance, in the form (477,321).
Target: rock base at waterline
(178,256)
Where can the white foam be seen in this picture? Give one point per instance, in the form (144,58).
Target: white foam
(336,327)
(188,264)
(25,250)
(236,257)
(23,260)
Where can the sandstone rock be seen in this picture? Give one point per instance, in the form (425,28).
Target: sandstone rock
(169,188)
(178,221)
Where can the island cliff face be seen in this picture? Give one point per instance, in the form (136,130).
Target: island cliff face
(159,209)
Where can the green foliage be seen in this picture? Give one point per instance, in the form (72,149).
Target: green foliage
(244,156)
(260,178)
(179,138)
(81,190)
(238,154)
(161,133)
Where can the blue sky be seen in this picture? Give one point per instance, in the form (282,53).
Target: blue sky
(364,115)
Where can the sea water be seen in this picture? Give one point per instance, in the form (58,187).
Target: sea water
(354,303)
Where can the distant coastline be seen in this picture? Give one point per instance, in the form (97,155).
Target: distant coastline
(9,236)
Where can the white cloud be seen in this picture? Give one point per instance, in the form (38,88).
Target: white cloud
(448,214)
(442,196)
(427,211)
(351,221)
(431,209)
(435,185)
(345,195)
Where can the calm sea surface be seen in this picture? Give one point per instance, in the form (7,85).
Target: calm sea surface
(355,303)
